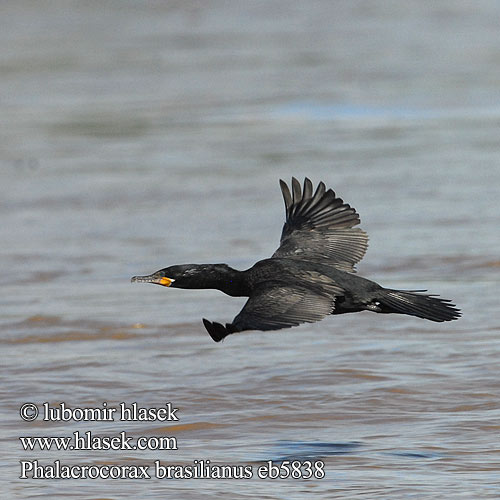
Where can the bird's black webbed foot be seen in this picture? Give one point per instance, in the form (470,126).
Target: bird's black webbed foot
(218,331)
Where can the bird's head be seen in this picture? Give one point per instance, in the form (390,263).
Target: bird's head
(182,276)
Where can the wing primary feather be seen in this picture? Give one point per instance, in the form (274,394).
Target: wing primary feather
(287,197)
(308,190)
(318,194)
(297,191)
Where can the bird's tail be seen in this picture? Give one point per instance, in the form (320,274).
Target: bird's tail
(418,304)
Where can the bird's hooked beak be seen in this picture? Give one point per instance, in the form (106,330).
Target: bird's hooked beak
(155,278)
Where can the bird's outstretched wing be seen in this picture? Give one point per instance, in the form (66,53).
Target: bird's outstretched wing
(320,226)
(276,307)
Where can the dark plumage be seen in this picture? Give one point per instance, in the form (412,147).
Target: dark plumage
(310,276)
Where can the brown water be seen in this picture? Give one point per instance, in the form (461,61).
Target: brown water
(137,135)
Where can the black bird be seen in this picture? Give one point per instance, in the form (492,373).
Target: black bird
(310,276)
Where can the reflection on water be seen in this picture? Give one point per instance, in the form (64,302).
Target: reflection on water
(313,451)
(154,134)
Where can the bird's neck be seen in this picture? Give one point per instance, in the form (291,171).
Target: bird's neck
(224,278)
(234,283)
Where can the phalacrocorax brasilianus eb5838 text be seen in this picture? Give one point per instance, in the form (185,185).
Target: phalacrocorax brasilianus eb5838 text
(310,276)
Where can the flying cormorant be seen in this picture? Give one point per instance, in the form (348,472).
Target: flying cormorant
(310,276)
